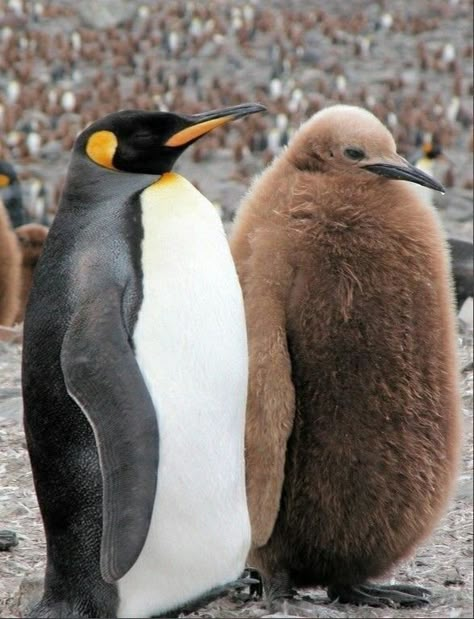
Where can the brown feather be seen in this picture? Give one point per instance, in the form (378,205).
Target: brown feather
(31,238)
(10,259)
(348,274)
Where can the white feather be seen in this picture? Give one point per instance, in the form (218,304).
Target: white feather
(190,343)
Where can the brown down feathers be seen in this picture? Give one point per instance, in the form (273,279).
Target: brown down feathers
(10,261)
(353,416)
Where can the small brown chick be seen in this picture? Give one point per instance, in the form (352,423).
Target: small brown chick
(10,260)
(352,435)
(31,238)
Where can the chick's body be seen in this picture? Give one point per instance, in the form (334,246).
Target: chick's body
(352,363)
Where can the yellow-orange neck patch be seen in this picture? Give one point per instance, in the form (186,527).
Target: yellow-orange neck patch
(194,131)
(101,147)
(4,180)
(168,178)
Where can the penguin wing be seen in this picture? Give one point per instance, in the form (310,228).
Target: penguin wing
(271,397)
(102,376)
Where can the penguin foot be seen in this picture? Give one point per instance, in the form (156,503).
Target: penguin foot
(256,588)
(247,586)
(278,591)
(380,595)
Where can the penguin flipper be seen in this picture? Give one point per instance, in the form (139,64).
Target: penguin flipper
(102,376)
(271,396)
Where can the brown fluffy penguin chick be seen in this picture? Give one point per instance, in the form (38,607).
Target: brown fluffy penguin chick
(31,238)
(353,419)
(10,260)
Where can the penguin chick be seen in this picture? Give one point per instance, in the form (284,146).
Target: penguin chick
(10,193)
(352,437)
(31,238)
(10,260)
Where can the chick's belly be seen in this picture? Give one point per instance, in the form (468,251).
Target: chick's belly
(334,475)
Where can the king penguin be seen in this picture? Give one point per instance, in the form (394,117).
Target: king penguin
(135,378)
(461,250)
(10,193)
(353,416)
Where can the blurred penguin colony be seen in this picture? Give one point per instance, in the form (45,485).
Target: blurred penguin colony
(64,64)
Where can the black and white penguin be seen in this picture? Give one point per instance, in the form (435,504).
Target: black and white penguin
(461,250)
(135,378)
(11,196)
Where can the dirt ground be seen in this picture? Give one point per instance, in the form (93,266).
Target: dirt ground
(443,563)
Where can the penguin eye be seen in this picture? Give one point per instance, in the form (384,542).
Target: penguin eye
(356,154)
(143,136)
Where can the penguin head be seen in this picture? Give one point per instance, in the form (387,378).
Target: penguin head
(141,142)
(11,194)
(8,176)
(432,149)
(349,141)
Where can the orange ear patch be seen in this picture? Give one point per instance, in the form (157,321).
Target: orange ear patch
(4,180)
(101,147)
(427,148)
(195,131)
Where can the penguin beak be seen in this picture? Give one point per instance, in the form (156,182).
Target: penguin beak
(398,168)
(199,124)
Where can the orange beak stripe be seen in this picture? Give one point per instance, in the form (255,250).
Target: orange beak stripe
(195,131)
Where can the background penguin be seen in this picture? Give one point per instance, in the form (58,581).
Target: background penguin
(31,238)
(136,324)
(462,260)
(352,435)
(461,250)
(10,260)
(462,263)
(10,193)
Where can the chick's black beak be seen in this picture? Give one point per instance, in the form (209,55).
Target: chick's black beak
(402,170)
(199,124)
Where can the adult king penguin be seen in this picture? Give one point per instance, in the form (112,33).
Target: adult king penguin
(352,436)
(135,378)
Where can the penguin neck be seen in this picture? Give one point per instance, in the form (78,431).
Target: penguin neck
(89,184)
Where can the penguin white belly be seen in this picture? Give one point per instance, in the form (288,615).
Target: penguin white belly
(190,344)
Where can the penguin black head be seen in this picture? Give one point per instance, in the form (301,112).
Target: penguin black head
(142,142)
(10,194)
(432,150)
(8,175)
(350,141)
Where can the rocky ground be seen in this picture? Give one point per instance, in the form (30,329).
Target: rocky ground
(443,563)
(407,61)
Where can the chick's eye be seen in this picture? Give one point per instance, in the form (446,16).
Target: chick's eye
(356,154)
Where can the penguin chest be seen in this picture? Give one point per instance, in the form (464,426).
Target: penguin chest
(190,344)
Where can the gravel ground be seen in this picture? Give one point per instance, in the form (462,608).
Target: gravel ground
(443,563)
